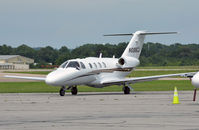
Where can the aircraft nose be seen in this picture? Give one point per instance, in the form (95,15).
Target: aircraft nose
(52,79)
(59,76)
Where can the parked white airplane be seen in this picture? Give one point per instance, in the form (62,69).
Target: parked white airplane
(195,82)
(101,72)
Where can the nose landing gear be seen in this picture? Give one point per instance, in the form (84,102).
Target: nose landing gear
(73,89)
(62,91)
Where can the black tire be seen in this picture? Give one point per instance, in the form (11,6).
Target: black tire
(62,92)
(74,90)
(126,90)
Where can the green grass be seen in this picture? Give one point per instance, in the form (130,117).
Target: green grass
(41,87)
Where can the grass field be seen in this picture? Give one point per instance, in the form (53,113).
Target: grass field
(41,87)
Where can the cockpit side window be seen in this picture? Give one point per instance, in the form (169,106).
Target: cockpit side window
(82,65)
(73,64)
(63,65)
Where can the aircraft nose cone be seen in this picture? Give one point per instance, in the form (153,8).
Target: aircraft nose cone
(53,78)
(59,76)
(50,80)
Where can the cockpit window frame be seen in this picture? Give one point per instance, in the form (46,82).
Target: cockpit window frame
(73,66)
(63,65)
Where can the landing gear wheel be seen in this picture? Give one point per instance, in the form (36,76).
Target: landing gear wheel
(126,90)
(62,92)
(74,90)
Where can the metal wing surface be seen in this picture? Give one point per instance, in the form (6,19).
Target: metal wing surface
(26,77)
(143,79)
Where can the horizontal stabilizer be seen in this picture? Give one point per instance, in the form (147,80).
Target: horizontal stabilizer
(153,33)
(127,34)
(141,33)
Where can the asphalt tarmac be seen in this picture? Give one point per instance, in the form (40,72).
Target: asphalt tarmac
(98,111)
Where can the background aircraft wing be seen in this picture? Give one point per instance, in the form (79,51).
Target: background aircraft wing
(142,79)
(26,77)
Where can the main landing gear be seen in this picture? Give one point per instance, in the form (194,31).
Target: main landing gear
(73,89)
(127,89)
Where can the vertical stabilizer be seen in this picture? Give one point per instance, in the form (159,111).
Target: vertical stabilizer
(135,45)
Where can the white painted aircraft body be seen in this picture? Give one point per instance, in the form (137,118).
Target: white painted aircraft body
(101,72)
(96,71)
(195,80)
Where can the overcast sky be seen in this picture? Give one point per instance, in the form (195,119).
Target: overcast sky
(72,23)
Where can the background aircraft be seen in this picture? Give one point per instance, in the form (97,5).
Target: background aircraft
(101,72)
(195,82)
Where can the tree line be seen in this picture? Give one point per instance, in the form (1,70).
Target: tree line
(153,54)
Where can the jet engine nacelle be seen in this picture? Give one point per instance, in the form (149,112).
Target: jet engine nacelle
(128,62)
(195,80)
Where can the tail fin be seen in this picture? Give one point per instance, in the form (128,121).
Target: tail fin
(135,45)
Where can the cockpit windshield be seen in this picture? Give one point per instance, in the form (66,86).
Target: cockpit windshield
(63,65)
(72,64)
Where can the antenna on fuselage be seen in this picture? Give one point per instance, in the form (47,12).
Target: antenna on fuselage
(100,56)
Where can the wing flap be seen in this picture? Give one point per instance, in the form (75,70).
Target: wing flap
(25,77)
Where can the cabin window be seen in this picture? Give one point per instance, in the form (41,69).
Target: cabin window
(100,65)
(90,65)
(82,65)
(63,65)
(95,65)
(104,64)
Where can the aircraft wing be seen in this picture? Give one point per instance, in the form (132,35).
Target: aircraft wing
(143,79)
(26,77)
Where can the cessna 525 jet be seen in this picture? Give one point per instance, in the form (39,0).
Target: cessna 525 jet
(101,72)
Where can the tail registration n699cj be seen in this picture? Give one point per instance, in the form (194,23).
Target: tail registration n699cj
(134,50)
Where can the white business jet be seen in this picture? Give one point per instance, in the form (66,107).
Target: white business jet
(195,82)
(101,72)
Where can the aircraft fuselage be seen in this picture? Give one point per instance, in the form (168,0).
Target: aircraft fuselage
(91,73)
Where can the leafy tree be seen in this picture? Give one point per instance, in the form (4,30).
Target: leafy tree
(25,50)
(6,50)
(47,54)
(153,54)
(63,55)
